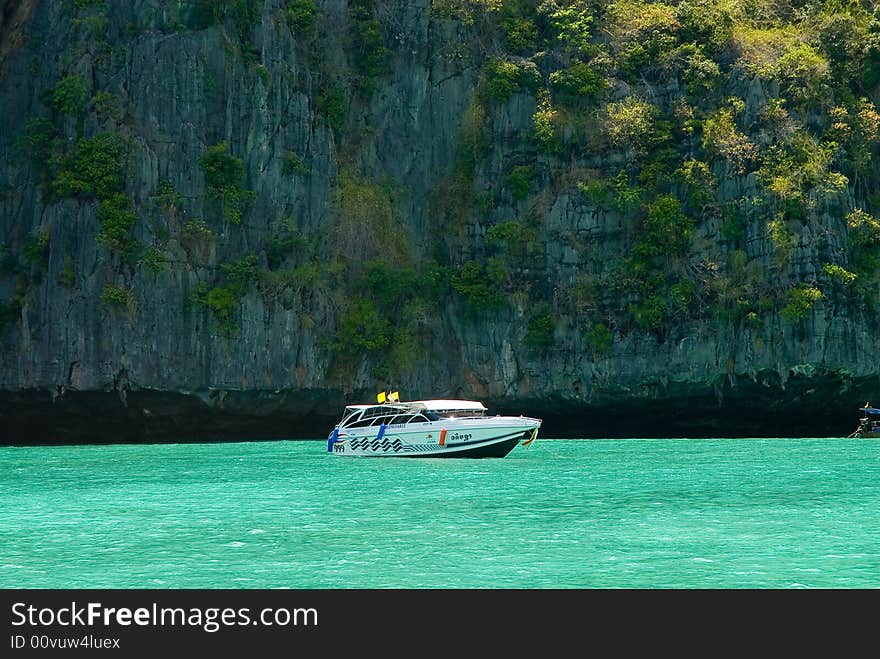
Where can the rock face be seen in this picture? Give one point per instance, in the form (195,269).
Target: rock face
(98,347)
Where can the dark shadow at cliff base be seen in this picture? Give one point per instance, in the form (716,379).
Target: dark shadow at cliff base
(146,416)
(812,408)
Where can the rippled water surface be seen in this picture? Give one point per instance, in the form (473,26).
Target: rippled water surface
(654,513)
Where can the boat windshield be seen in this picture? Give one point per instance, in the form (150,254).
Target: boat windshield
(361,416)
(457,414)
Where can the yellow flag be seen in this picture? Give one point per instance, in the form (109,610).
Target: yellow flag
(395,397)
(380,397)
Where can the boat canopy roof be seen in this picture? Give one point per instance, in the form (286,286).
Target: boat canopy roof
(431,409)
(436,406)
(870,410)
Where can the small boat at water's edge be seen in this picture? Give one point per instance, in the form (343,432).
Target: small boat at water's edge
(869,424)
(428,429)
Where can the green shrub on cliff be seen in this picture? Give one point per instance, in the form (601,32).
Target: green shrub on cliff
(37,142)
(36,250)
(224,175)
(370,57)
(332,104)
(599,337)
(572,23)
(117,220)
(474,285)
(242,272)
(93,168)
(520,181)
(801,300)
(839,274)
(363,328)
(577,83)
(301,15)
(630,122)
(539,332)
(118,297)
(863,239)
(503,78)
(517,21)
(69,95)
(666,232)
(222,302)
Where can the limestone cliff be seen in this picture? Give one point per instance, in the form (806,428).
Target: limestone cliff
(227,219)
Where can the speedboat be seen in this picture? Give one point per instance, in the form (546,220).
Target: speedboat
(428,429)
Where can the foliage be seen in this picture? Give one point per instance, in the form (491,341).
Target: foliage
(666,231)
(520,181)
(367,225)
(93,168)
(578,82)
(224,174)
(539,334)
(863,239)
(698,182)
(545,120)
(641,32)
(781,237)
(153,259)
(799,169)
(503,78)
(107,107)
(839,273)
(67,275)
(854,129)
(301,15)
(516,239)
(371,57)
(283,243)
(222,302)
(36,250)
(801,300)
(118,297)
(721,137)
(36,142)
(648,314)
(682,294)
(196,232)
(331,103)
(167,197)
(629,122)
(244,14)
(222,169)
(69,95)
(293,165)
(362,328)
(474,285)
(242,272)
(518,23)
(597,192)
(117,220)
(627,197)
(700,73)
(572,23)
(599,337)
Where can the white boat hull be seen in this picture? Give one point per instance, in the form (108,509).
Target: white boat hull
(446,438)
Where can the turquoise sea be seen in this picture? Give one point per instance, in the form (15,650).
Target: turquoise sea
(627,513)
